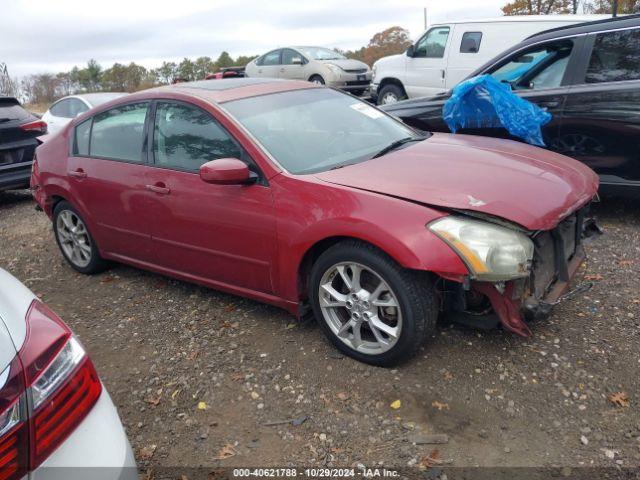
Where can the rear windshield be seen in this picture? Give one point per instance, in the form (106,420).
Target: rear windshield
(11,110)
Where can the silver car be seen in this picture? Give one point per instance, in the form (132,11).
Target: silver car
(314,64)
(57,421)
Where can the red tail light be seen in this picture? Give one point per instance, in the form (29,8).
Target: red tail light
(54,376)
(14,429)
(35,126)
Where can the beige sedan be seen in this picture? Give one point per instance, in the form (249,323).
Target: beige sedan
(314,64)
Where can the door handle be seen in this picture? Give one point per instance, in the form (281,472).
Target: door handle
(282,70)
(79,173)
(550,104)
(159,188)
(442,73)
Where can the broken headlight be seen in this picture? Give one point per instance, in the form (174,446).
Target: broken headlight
(491,252)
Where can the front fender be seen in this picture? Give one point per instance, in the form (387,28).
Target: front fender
(311,212)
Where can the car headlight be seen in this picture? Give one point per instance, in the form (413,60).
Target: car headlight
(491,252)
(334,68)
(373,71)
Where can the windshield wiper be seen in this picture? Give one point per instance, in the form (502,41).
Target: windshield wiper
(4,119)
(397,144)
(342,165)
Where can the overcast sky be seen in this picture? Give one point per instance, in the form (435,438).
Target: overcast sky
(53,35)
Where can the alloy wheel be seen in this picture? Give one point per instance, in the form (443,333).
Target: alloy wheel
(389,98)
(360,308)
(74,238)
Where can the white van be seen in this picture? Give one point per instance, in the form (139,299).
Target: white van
(448,52)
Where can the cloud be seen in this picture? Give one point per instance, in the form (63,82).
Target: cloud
(43,35)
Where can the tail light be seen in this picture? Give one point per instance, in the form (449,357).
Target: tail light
(35,126)
(49,389)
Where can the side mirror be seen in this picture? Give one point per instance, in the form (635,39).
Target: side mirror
(410,51)
(226,171)
(296,61)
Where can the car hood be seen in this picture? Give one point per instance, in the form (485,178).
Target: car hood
(347,64)
(532,187)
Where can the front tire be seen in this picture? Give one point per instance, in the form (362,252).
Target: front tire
(390,94)
(75,241)
(317,79)
(370,307)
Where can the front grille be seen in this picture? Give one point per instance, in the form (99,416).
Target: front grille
(357,70)
(553,251)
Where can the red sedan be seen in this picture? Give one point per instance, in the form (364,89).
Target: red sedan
(312,200)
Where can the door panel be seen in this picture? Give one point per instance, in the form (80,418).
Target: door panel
(601,125)
(113,193)
(271,65)
(224,233)
(601,114)
(221,233)
(107,175)
(290,70)
(551,100)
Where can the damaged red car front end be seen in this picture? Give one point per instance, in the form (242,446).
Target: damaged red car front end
(531,202)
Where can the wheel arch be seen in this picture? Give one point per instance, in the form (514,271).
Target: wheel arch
(391,81)
(428,257)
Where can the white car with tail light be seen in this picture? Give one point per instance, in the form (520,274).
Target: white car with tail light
(57,421)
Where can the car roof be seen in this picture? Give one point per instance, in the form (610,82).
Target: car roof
(524,18)
(611,23)
(100,97)
(217,91)
(606,23)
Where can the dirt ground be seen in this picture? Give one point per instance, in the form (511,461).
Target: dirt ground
(202,378)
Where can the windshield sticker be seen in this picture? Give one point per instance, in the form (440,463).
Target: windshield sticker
(367,110)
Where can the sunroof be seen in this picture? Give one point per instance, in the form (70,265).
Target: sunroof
(225,83)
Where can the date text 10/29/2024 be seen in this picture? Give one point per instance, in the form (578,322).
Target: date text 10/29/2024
(360,471)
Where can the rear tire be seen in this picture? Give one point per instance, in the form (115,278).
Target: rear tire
(75,241)
(370,307)
(317,79)
(390,94)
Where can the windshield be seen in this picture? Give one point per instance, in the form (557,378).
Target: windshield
(319,53)
(317,129)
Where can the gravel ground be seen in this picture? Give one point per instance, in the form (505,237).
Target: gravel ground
(205,378)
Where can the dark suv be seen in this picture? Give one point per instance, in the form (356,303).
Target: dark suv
(587,76)
(19,130)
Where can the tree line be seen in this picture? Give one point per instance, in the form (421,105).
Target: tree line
(546,7)
(47,87)
(44,88)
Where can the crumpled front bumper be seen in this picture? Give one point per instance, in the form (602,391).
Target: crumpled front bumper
(558,255)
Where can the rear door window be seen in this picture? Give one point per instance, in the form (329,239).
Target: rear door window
(76,107)
(81,139)
(288,55)
(470,42)
(118,134)
(11,110)
(61,109)
(615,57)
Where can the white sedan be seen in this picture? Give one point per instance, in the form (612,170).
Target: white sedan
(67,108)
(57,421)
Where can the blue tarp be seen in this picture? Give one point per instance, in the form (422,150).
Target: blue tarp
(484,102)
